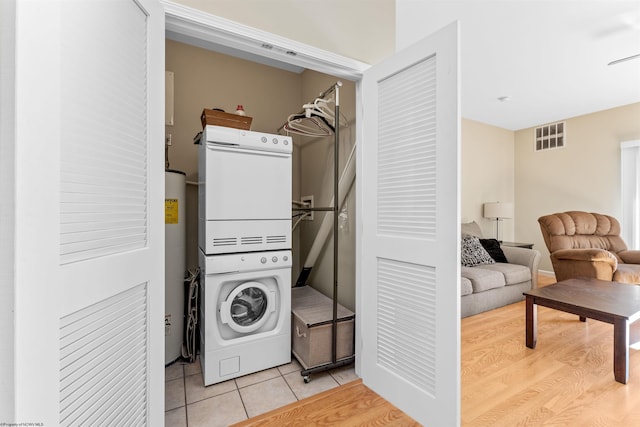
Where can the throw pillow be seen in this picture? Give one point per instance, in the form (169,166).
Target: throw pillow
(492,246)
(471,228)
(472,252)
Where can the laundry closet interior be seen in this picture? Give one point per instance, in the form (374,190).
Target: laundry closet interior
(203,78)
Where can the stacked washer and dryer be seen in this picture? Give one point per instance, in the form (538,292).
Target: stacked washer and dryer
(244,236)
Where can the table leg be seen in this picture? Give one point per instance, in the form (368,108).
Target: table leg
(532,322)
(621,350)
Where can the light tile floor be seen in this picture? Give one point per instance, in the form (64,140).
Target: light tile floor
(188,403)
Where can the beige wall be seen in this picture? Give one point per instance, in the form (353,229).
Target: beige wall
(316,178)
(496,164)
(362,30)
(207,79)
(585,175)
(487,174)
(358,29)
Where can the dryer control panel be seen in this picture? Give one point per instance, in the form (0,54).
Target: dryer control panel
(249,140)
(249,261)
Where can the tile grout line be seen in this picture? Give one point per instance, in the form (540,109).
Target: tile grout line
(184,385)
(246,413)
(289,385)
(237,388)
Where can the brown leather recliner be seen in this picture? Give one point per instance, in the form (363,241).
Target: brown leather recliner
(584,244)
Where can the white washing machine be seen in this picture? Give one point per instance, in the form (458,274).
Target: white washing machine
(244,216)
(246,313)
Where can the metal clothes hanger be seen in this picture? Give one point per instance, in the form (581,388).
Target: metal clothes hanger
(309,126)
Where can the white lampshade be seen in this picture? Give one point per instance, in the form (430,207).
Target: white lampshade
(498,210)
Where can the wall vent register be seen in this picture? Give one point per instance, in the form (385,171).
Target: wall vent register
(549,137)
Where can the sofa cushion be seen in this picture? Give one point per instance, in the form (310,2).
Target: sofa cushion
(465,287)
(513,273)
(471,228)
(627,273)
(472,253)
(492,246)
(483,279)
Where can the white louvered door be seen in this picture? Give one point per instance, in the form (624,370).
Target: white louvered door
(409,244)
(93,224)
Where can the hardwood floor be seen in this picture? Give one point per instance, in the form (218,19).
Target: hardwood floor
(352,404)
(566,381)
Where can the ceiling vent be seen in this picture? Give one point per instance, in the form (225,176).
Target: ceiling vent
(549,137)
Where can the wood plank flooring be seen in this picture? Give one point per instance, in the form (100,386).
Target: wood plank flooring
(566,381)
(352,404)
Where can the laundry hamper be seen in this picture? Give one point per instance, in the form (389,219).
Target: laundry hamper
(311,328)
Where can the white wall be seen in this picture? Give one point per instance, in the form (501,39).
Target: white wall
(7,183)
(362,30)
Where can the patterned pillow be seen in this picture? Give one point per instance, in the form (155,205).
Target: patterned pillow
(472,253)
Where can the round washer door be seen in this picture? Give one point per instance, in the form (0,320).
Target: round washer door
(247,307)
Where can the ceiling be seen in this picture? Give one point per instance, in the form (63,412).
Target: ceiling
(523,63)
(548,57)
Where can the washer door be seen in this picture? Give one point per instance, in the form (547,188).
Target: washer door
(247,307)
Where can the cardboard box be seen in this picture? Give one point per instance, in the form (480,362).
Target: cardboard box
(311,328)
(220,118)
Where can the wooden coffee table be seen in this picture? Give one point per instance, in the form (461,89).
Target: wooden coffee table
(610,302)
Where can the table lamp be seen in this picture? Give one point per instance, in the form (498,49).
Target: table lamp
(498,211)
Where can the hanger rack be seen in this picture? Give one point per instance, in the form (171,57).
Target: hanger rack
(317,118)
(332,120)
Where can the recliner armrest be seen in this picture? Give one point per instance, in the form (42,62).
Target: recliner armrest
(529,258)
(630,257)
(587,254)
(595,263)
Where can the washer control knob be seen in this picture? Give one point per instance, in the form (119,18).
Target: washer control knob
(286,142)
(263,139)
(263,260)
(274,259)
(285,258)
(274,140)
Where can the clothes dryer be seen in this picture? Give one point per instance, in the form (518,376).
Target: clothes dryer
(246,312)
(244,185)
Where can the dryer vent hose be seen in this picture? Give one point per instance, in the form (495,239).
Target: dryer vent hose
(190,344)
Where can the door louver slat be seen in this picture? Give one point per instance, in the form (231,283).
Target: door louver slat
(103,362)
(103,149)
(406,326)
(406,154)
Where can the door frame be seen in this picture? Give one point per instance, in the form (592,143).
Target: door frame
(215,33)
(220,34)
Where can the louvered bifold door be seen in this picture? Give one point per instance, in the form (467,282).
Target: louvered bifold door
(407,211)
(408,253)
(110,209)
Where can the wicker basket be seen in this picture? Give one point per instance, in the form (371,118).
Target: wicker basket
(220,118)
